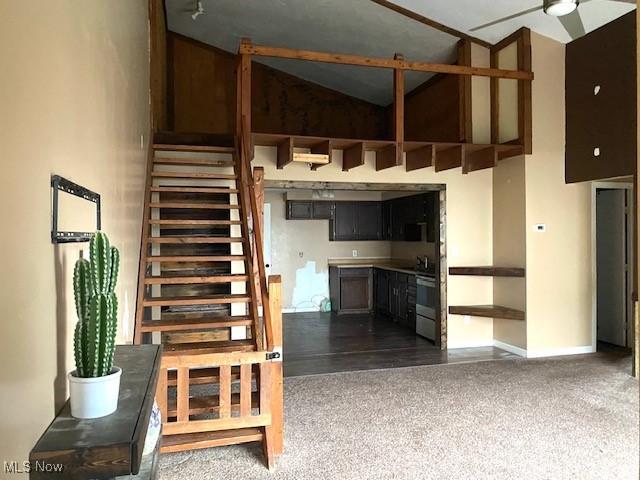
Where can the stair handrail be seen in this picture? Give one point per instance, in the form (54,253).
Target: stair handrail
(248,189)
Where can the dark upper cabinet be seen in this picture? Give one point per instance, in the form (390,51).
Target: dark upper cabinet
(309,210)
(299,210)
(322,210)
(356,221)
(368,221)
(386,220)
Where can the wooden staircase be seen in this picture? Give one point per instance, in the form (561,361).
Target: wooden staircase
(201,282)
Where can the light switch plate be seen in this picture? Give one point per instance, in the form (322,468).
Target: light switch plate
(354,253)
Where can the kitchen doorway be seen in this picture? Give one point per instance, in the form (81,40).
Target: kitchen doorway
(613,271)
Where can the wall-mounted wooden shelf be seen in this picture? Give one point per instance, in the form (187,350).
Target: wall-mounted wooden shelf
(491,311)
(440,155)
(488,271)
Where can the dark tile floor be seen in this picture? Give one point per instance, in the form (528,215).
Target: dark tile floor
(318,343)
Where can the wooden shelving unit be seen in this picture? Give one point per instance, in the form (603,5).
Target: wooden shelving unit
(440,155)
(491,311)
(488,271)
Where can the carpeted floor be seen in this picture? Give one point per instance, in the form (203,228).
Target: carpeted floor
(568,418)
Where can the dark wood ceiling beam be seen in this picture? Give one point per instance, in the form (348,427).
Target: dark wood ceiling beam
(339,58)
(430,22)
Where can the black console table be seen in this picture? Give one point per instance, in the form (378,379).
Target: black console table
(110,446)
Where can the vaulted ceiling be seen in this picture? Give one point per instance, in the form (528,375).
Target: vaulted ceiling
(364,27)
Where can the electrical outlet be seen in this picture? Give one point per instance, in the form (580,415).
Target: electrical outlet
(540,228)
(354,253)
(301,254)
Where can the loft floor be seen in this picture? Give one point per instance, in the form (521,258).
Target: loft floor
(320,343)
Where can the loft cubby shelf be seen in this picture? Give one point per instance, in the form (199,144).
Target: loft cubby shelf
(488,271)
(491,311)
(419,154)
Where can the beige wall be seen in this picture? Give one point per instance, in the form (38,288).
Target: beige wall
(558,261)
(75,102)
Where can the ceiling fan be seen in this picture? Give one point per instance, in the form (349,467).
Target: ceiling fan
(565,10)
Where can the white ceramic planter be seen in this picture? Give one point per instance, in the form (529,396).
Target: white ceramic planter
(94,397)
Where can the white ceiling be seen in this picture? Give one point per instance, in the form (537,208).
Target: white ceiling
(363,27)
(468,14)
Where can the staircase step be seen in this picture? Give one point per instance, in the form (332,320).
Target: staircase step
(191,240)
(195,205)
(195,189)
(195,324)
(208,347)
(195,162)
(220,299)
(211,404)
(192,148)
(188,280)
(192,441)
(183,221)
(204,376)
(195,258)
(194,175)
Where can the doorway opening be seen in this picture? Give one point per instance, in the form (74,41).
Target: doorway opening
(613,266)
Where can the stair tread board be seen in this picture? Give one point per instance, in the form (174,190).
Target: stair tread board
(218,299)
(191,148)
(195,162)
(197,175)
(204,376)
(195,205)
(195,258)
(189,279)
(207,239)
(169,189)
(182,221)
(192,324)
(211,404)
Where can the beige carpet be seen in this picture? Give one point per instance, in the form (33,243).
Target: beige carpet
(569,418)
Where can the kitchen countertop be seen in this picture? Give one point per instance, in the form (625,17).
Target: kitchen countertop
(373,263)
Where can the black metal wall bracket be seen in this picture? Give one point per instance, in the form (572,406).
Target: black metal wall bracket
(60,184)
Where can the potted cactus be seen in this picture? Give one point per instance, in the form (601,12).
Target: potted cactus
(95,383)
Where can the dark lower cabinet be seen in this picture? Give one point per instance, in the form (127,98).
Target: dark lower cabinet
(395,296)
(351,290)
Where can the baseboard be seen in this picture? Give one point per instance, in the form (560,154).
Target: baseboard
(301,310)
(556,352)
(468,344)
(510,348)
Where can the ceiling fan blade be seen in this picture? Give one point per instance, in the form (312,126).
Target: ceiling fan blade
(572,23)
(504,19)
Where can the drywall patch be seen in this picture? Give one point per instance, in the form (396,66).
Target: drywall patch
(310,289)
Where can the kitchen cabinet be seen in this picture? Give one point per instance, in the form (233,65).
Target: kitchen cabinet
(309,210)
(356,221)
(395,296)
(351,290)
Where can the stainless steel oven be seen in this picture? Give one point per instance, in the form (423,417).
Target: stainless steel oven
(426,306)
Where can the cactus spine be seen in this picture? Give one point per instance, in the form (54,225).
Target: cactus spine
(94,282)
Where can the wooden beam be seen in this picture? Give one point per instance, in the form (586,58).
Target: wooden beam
(480,159)
(466,111)
(525,132)
(323,148)
(420,158)
(309,55)
(495,102)
(449,158)
(285,153)
(431,23)
(398,110)
(359,186)
(245,85)
(387,157)
(353,157)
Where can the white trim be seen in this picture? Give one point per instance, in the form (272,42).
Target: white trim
(510,348)
(469,344)
(300,310)
(594,273)
(555,352)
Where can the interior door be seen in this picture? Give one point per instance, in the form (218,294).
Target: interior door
(610,266)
